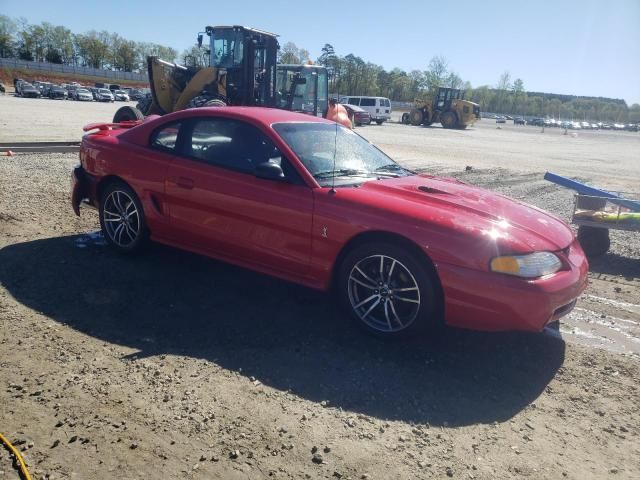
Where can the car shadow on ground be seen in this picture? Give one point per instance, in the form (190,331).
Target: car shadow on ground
(614,264)
(166,301)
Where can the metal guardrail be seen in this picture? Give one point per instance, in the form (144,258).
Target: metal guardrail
(63,68)
(39,147)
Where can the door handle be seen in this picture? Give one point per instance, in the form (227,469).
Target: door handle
(184,182)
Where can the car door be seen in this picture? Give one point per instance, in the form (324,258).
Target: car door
(221,208)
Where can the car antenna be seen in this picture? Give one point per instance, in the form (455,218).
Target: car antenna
(335,151)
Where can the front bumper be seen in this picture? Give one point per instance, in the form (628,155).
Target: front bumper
(491,301)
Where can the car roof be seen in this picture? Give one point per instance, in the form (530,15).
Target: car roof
(263,115)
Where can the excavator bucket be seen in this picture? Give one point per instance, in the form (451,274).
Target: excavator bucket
(173,86)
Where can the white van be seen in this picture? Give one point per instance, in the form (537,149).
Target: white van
(378,107)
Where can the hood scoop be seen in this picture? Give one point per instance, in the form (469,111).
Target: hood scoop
(426,189)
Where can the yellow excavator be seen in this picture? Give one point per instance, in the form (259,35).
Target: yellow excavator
(447,106)
(242,70)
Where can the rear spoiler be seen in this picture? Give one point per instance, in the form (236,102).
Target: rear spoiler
(104,127)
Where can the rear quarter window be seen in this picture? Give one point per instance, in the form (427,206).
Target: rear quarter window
(368,102)
(166,137)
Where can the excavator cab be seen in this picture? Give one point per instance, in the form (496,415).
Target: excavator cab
(445,96)
(247,58)
(302,88)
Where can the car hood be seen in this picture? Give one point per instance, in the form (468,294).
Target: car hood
(454,205)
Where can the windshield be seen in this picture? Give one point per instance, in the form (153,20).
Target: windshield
(316,145)
(82,90)
(226,48)
(310,92)
(120,92)
(103,90)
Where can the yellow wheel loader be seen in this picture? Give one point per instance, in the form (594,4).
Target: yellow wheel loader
(447,106)
(242,71)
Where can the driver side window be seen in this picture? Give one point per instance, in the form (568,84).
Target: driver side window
(234,145)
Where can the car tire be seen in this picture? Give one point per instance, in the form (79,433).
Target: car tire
(406,118)
(448,119)
(594,240)
(122,218)
(404,300)
(127,113)
(379,122)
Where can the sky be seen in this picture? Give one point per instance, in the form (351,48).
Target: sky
(587,47)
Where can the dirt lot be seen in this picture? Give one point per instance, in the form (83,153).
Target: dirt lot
(170,365)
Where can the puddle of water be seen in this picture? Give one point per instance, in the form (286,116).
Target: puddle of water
(93,238)
(632,307)
(594,329)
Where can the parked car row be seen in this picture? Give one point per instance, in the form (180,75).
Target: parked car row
(75,91)
(568,124)
(573,125)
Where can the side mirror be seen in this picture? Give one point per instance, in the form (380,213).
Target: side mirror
(269,171)
(199,40)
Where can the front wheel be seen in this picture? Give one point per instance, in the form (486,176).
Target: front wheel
(379,122)
(122,218)
(448,119)
(388,290)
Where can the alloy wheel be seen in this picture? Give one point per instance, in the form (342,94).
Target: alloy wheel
(383,293)
(121,218)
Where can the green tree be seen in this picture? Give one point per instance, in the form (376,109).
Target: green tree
(502,94)
(8,29)
(437,72)
(634,113)
(290,53)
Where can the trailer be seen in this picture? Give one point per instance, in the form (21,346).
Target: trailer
(596,211)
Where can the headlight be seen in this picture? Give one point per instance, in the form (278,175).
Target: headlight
(532,265)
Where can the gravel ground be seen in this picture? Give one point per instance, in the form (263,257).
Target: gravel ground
(171,365)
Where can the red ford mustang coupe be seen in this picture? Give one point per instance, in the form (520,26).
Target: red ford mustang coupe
(309,201)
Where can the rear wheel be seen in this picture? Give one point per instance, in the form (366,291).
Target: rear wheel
(448,119)
(593,240)
(388,290)
(127,113)
(416,117)
(122,218)
(379,122)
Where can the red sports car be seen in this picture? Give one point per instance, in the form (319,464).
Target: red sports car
(312,202)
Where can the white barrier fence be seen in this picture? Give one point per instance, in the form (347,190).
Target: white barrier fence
(45,67)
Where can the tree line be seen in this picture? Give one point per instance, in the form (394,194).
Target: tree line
(351,75)
(46,42)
